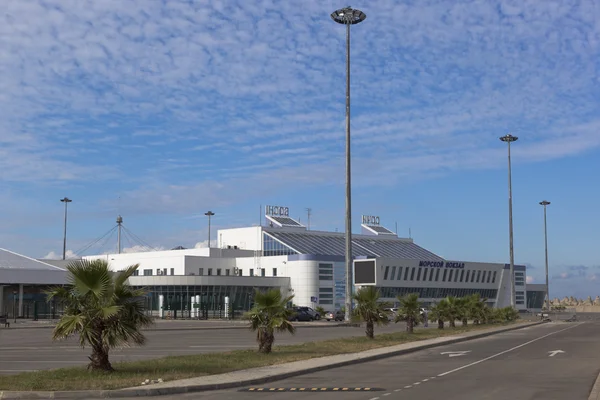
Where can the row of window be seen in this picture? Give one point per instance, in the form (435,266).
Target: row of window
(325,272)
(433,274)
(436,293)
(218,272)
(272,247)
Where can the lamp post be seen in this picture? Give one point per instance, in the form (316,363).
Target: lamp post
(509,139)
(348,16)
(546,203)
(209,214)
(66,200)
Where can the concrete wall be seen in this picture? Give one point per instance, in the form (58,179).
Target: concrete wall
(249,238)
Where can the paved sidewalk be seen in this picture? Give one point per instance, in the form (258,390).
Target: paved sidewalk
(265,374)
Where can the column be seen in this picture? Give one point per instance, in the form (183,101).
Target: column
(21,301)
(1,300)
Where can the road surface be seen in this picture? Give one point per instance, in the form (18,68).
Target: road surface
(550,361)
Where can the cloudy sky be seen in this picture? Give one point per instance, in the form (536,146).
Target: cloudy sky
(160,111)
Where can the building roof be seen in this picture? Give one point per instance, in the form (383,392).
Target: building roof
(329,243)
(14,261)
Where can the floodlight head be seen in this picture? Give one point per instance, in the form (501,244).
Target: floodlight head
(209,213)
(544,203)
(509,138)
(348,16)
(66,200)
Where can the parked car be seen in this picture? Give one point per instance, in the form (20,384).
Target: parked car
(316,316)
(337,316)
(300,315)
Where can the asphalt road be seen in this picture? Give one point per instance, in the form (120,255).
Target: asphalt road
(24,350)
(513,365)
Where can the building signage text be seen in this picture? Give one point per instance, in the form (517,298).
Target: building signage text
(370,220)
(277,211)
(441,264)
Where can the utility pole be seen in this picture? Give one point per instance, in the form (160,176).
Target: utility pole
(546,203)
(509,139)
(308,212)
(65,200)
(209,214)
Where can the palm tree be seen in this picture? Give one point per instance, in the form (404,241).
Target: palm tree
(270,314)
(409,311)
(454,310)
(439,312)
(370,309)
(477,309)
(464,305)
(101,308)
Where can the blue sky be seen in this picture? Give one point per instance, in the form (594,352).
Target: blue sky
(163,110)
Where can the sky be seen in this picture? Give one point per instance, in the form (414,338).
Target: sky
(160,111)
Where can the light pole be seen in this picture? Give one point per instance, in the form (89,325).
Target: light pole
(15,306)
(546,203)
(348,16)
(209,214)
(66,200)
(509,139)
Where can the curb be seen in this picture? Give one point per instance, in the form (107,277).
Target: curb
(146,392)
(595,393)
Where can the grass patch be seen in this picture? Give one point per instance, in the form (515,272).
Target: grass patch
(129,374)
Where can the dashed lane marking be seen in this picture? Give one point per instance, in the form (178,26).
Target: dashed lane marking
(311,389)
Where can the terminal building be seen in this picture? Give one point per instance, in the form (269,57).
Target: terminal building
(281,253)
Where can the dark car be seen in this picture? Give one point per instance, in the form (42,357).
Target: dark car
(300,315)
(316,316)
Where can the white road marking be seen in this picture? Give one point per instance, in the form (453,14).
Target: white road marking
(397,390)
(507,351)
(417,383)
(425,380)
(374,398)
(456,353)
(386,394)
(433,377)
(407,387)
(228,346)
(554,352)
(18,370)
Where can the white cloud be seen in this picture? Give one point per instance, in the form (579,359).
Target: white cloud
(204,244)
(530,279)
(69,254)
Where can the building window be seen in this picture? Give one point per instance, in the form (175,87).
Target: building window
(489,276)
(478,276)
(273,247)
(450,275)
(325,272)
(326,295)
(209,271)
(412,273)
(419,274)
(431,270)
(437,275)
(274,271)
(325,290)
(240,272)
(444,275)
(251,272)
(456,275)
(494,277)
(172,271)
(406,273)
(227,272)
(200,271)
(158,271)
(325,302)
(136,272)
(164,271)
(385,274)
(462,275)
(147,272)
(218,271)
(399,273)
(262,272)
(467,277)
(393,274)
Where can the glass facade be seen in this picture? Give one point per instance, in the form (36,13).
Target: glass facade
(535,299)
(177,299)
(273,247)
(436,293)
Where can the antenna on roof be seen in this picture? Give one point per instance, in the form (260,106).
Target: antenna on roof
(260,215)
(308,212)
(396,228)
(409,234)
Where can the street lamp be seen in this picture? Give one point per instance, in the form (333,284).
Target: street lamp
(66,200)
(209,214)
(509,139)
(546,203)
(348,16)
